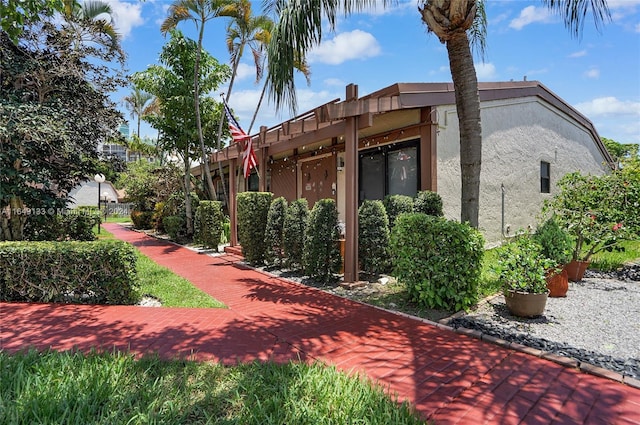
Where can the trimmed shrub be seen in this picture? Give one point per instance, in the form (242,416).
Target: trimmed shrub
(295,224)
(274,236)
(142,220)
(438,260)
(395,205)
(253,208)
(174,225)
(429,203)
(100,272)
(555,242)
(158,215)
(373,237)
(208,223)
(74,225)
(321,242)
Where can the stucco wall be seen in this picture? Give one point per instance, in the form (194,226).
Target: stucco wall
(517,135)
(86,194)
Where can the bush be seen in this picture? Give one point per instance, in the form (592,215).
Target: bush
(429,203)
(158,216)
(75,226)
(321,242)
(142,220)
(253,208)
(439,260)
(208,223)
(522,266)
(274,235)
(100,272)
(556,244)
(395,205)
(295,224)
(175,227)
(373,237)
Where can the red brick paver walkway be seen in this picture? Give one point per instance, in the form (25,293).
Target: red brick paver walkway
(450,378)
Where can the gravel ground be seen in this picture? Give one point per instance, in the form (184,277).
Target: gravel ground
(597,323)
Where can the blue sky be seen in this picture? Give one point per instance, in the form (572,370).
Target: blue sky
(598,74)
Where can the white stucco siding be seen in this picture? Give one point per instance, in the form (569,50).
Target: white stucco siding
(86,194)
(517,135)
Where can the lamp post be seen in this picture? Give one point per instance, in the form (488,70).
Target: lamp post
(105,198)
(99,178)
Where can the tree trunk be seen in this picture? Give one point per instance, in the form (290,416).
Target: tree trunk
(12,220)
(465,83)
(255,114)
(187,195)
(196,95)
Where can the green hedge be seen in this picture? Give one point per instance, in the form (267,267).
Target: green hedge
(253,208)
(427,202)
(373,237)
(208,223)
(295,224)
(75,225)
(321,243)
(100,272)
(439,260)
(175,226)
(274,234)
(142,220)
(395,205)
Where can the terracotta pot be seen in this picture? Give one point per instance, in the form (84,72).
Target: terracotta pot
(524,304)
(575,270)
(558,283)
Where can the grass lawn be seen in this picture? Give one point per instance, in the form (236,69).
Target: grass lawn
(115,388)
(607,261)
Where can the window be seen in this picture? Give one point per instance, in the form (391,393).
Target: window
(545,177)
(254,182)
(390,170)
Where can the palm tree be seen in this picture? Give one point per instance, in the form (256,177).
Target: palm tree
(200,12)
(299,28)
(136,103)
(90,24)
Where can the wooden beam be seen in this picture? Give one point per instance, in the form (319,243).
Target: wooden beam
(233,212)
(351,269)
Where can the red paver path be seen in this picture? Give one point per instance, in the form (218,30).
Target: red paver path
(450,378)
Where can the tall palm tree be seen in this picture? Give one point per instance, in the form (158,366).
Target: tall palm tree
(299,28)
(200,12)
(92,22)
(136,103)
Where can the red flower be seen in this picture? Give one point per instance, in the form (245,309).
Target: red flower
(616,226)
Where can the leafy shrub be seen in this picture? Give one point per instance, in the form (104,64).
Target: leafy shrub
(158,216)
(74,225)
(226,230)
(253,208)
(175,227)
(395,205)
(142,219)
(556,244)
(100,272)
(208,223)
(429,203)
(373,237)
(295,224)
(274,234)
(522,266)
(439,260)
(321,241)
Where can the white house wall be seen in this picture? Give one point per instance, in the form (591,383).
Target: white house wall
(86,194)
(517,135)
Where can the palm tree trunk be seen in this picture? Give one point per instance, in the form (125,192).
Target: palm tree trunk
(187,195)
(468,106)
(255,114)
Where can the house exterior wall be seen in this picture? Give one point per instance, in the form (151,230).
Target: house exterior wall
(86,194)
(517,135)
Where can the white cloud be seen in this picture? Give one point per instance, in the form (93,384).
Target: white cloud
(592,73)
(346,46)
(245,71)
(334,82)
(485,71)
(579,54)
(126,16)
(606,106)
(530,15)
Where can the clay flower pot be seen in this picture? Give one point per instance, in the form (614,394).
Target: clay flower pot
(558,283)
(525,304)
(575,270)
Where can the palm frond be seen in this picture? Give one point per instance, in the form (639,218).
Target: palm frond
(574,13)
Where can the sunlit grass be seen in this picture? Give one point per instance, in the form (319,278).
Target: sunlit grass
(608,261)
(115,388)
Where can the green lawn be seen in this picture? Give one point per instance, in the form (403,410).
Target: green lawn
(115,388)
(607,261)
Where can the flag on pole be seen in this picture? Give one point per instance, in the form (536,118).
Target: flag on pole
(249,159)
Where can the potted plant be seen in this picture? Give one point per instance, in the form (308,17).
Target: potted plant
(522,270)
(555,245)
(597,212)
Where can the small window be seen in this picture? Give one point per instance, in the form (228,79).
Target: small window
(545,177)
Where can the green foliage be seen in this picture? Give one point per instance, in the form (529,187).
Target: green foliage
(208,223)
(321,242)
(295,224)
(373,237)
(396,205)
(522,267)
(99,272)
(74,225)
(274,234)
(555,242)
(16,14)
(174,225)
(597,211)
(253,209)
(142,220)
(139,182)
(429,203)
(439,260)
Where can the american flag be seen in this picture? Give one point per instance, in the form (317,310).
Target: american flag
(249,159)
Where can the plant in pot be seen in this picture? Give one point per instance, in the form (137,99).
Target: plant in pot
(555,245)
(522,269)
(598,212)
